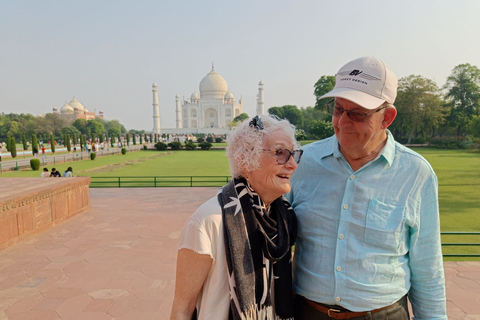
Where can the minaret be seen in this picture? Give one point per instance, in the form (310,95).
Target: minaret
(260,99)
(156,111)
(178,112)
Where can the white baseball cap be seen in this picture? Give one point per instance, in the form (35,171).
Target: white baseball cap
(365,81)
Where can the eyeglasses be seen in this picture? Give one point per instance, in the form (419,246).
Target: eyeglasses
(353,115)
(283,155)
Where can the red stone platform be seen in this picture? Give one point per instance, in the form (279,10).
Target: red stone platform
(117,261)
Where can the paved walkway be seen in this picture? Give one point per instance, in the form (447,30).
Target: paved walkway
(117,261)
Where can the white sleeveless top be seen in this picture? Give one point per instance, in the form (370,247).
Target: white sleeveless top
(203,234)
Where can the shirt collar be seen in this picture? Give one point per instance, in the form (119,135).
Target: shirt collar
(388,151)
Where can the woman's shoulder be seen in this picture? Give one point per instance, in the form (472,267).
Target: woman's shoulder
(209,211)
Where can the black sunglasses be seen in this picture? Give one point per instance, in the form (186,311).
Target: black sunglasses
(353,115)
(283,155)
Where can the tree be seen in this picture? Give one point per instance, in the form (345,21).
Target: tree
(67,139)
(13,147)
(324,85)
(52,143)
(289,112)
(24,142)
(463,96)
(241,117)
(71,130)
(34,143)
(419,108)
(134,139)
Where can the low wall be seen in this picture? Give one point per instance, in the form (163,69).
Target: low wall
(31,205)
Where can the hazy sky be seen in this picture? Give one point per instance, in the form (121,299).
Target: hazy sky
(108,53)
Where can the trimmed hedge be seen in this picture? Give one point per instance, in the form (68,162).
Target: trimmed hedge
(175,145)
(93,155)
(160,146)
(450,143)
(124,150)
(35,164)
(205,145)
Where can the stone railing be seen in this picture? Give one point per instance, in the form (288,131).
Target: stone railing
(31,205)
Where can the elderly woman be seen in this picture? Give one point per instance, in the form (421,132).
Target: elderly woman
(234,260)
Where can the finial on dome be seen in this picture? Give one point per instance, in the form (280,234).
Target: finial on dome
(213,67)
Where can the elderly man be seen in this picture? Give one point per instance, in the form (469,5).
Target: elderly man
(367,207)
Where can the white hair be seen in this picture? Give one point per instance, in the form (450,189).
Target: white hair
(245,143)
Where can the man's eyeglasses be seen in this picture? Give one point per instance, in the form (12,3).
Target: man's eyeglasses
(283,155)
(353,115)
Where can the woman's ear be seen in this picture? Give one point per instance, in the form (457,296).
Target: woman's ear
(388,116)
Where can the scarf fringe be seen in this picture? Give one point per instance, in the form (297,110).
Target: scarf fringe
(264,313)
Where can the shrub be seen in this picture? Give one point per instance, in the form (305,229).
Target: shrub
(124,150)
(24,142)
(52,143)
(205,145)
(35,164)
(200,140)
(34,143)
(218,140)
(93,155)
(175,145)
(190,145)
(145,147)
(209,139)
(160,146)
(450,143)
(13,147)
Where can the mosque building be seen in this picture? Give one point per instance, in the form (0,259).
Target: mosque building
(75,110)
(209,111)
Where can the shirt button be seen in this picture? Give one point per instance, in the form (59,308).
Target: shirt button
(341,237)
(339,268)
(345,206)
(352,177)
(337,299)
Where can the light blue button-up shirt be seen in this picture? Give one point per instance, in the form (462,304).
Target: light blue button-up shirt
(367,238)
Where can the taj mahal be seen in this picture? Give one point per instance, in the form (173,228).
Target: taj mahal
(209,111)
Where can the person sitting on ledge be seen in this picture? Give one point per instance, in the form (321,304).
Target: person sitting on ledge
(45,173)
(68,173)
(55,173)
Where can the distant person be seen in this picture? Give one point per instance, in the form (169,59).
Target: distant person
(45,173)
(44,155)
(68,173)
(55,173)
(35,152)
(367,207)
(234,258)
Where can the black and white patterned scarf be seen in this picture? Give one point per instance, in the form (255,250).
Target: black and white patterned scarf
(258,249)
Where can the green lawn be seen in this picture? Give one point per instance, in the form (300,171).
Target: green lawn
(458,174)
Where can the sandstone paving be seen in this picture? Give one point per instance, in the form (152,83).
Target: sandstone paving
(117,261)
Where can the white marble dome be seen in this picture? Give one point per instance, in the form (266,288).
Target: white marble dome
(75,104)
(229,96)
(195,96)
(66,108)
(213,86)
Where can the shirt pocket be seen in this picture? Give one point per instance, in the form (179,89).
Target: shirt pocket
(384,225)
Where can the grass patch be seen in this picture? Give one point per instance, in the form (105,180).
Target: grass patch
(458,174)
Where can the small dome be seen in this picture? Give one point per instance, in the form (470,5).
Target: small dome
(177,96)
(260,83)
(213,86)
(195,96)
(66,108)
(55,109)
(40,115)
(75,104)
(229,96)
(154,85)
